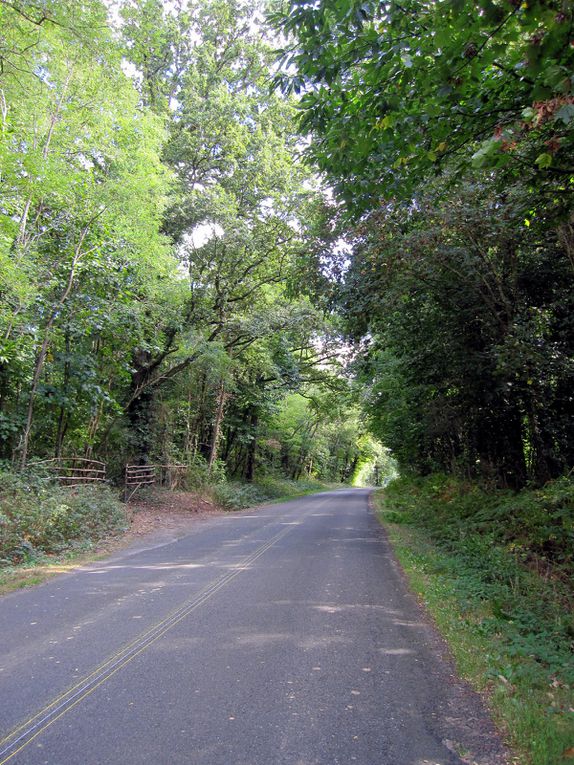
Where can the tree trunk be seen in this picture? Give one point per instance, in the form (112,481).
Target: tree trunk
(62,417)
(41,355)
(221,401)
(252,447)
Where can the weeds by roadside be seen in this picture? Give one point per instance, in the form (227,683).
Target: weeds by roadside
(236,496)
(38,517)
(495,570)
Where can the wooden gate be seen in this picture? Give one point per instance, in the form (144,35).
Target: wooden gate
(74,471)
(138,476)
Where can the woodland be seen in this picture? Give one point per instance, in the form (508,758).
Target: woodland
(157,226)
(298,244)
(218,253)
(316,240)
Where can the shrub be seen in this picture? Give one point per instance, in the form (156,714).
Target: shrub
(511,553)
(39,516)
(236,496)
(198,475)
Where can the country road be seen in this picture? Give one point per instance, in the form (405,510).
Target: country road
(281,636)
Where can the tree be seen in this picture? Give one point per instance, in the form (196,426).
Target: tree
(235,210)
(471,347)
(82,162)
(392,92)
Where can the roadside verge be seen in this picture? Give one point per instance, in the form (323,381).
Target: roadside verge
(493,622)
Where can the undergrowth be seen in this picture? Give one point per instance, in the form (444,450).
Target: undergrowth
(496,569)
(236,496)
(38,517)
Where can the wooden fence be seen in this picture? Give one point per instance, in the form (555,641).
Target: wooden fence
(138,476)
(74,471)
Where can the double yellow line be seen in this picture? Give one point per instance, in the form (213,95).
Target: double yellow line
(28,731)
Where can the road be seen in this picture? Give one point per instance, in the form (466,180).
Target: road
(280,636)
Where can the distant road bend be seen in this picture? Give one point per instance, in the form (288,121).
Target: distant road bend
(281,636)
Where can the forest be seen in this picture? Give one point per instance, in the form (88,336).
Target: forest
(301,239)
(296,244)
(157,231)
(218,253)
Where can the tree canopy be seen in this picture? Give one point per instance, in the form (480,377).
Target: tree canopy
(392,92)
(155,215)
(446,130)
(218,253)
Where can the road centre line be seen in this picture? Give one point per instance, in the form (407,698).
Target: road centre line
(28,731)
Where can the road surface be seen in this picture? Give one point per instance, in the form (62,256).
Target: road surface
(281,636)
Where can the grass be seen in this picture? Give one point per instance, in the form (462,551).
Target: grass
(505,612)
(265,490)
(38,571)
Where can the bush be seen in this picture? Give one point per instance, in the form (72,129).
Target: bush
(275,487)
(507,554)
(198,475)
(39,516)
(236,496)
(535,526)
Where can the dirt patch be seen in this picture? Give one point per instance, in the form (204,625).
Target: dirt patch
(162,511)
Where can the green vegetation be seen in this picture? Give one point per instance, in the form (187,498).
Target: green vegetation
(155,226)
(447,132)
(236,496)
(495,570)
(179,286)
(392,93)
(186,280)
(39,518)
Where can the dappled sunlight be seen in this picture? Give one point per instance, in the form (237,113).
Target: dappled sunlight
(338,607)
(320,641)
(177,643)
(418,625)
(254,639)
(329,609)
(147,567)
(396,651)
(260,639)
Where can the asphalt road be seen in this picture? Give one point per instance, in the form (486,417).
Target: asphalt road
(282,636)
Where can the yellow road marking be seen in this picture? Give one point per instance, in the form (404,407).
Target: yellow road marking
(45,718)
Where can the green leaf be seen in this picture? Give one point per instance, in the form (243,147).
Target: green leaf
(543,160)
(565,113)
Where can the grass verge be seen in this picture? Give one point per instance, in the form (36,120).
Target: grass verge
(41,569)
(269,489)
(507,620)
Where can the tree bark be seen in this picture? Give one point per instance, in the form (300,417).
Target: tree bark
(221,402)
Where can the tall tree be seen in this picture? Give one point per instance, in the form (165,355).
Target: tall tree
(394,91)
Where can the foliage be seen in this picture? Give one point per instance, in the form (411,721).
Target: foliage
(535,527)
(497,575)
(152,225)
(237,496)
(39,517)
(469,363)
(393,92)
